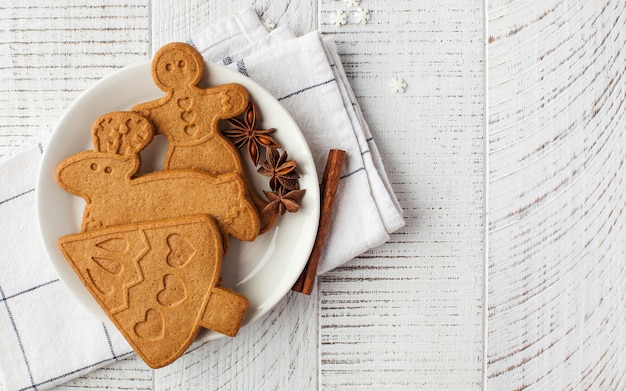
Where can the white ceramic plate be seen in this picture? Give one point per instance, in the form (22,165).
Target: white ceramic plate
(263,270)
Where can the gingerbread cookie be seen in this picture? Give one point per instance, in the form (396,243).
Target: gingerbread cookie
(106,179)
(158,282)
(188,116)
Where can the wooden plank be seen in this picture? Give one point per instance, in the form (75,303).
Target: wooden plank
(190,16)
(279,351)
(557,147)
(409,314)
(51,53)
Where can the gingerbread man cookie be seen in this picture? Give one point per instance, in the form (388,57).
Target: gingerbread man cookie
(188,116)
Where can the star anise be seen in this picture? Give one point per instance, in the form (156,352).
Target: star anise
(282,171)
(244,133)
(282,201)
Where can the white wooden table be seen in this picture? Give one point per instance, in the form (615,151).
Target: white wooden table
(507,152)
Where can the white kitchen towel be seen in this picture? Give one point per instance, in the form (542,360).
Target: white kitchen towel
(306,76)
(47,338)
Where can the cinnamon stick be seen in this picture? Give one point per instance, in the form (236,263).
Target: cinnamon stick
(328,192)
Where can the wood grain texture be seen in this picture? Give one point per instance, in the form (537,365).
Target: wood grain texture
(127,374)
(408,315)
(51,52)
(557,148)
(190,16)
(277,352)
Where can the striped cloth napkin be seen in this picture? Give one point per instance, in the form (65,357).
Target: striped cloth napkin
(47,338)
